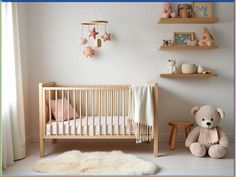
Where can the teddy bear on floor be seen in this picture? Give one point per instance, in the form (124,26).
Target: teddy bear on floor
(207,137)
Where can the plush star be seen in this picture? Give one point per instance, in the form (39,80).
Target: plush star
(93,33)
(89,52)
(106,37)
(83,41)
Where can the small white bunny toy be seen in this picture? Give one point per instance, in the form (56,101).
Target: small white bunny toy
(172,68)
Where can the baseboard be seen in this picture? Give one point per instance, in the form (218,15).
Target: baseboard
(163,138)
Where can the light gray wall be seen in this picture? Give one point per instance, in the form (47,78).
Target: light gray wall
(131,56)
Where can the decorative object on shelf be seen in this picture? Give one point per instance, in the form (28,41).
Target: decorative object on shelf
(192,42)
(180,38)
(203,9)
(166,43)
(207,72)
(200,69)
(89,52)
(96,34)
(206,38)
(188,68)
(172,68)
(185,11)
(167,11)
(207,137)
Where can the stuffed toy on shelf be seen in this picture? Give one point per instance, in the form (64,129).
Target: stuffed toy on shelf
(207,137)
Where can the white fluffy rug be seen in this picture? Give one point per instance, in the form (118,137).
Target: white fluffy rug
(114,162)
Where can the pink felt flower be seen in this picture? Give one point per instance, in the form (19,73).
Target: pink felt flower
(83,41)
(89,52)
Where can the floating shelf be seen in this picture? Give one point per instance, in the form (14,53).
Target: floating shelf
(185,47)
(188,20)
(180,75)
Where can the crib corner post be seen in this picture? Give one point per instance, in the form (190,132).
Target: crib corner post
(41,138)
(155,101)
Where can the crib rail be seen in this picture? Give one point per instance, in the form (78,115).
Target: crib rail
(98,103)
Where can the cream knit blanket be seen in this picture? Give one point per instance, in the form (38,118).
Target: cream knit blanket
(142,113)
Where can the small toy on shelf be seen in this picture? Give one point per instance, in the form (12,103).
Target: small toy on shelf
(185,11)
(206,38)
(191,42)
(89,52)
(200,69)
(167,11)
(206,72)
(166,43)
(207,137)
(172,68)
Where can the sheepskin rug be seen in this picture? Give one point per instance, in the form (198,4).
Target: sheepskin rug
(112,163)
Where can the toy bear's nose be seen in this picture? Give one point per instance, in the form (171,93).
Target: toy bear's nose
(208,123)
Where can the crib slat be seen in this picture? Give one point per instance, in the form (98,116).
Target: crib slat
(99,121)
(63,128)
(74,111)
(86,99)
(112,110)
(124,111)
(56,94)
(93,111)
(44,111)
(68,113)
(106,112)
(80,110)
(50,111)
(129,109)
(118,112)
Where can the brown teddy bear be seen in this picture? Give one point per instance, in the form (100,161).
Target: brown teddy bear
(206,38)
(207,137)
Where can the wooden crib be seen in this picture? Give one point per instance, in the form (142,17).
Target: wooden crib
(101,112)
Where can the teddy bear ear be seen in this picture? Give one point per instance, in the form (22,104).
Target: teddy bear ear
(221,112)
(194,110)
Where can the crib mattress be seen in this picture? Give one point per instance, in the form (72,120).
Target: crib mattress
(90,128)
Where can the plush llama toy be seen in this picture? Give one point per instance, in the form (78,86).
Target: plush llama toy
(207,137)
(171,69)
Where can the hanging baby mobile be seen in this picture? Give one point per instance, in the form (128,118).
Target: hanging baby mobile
(96,33)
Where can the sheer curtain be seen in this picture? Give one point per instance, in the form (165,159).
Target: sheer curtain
(13,123)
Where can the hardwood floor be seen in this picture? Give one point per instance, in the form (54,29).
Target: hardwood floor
(178,162)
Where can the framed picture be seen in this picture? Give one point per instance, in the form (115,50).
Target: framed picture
(180,38)
(189,9)
(203,9)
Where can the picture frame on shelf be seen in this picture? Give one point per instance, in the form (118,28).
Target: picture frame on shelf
(203,9)
(180,38)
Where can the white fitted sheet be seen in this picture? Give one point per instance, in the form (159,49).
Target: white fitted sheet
(90,129)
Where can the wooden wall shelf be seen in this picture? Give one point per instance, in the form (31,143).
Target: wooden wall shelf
(188,20)
(180,75)
(185,47)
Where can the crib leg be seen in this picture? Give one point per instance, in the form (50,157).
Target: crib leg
(155,145)
(41,147)
(54,141)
